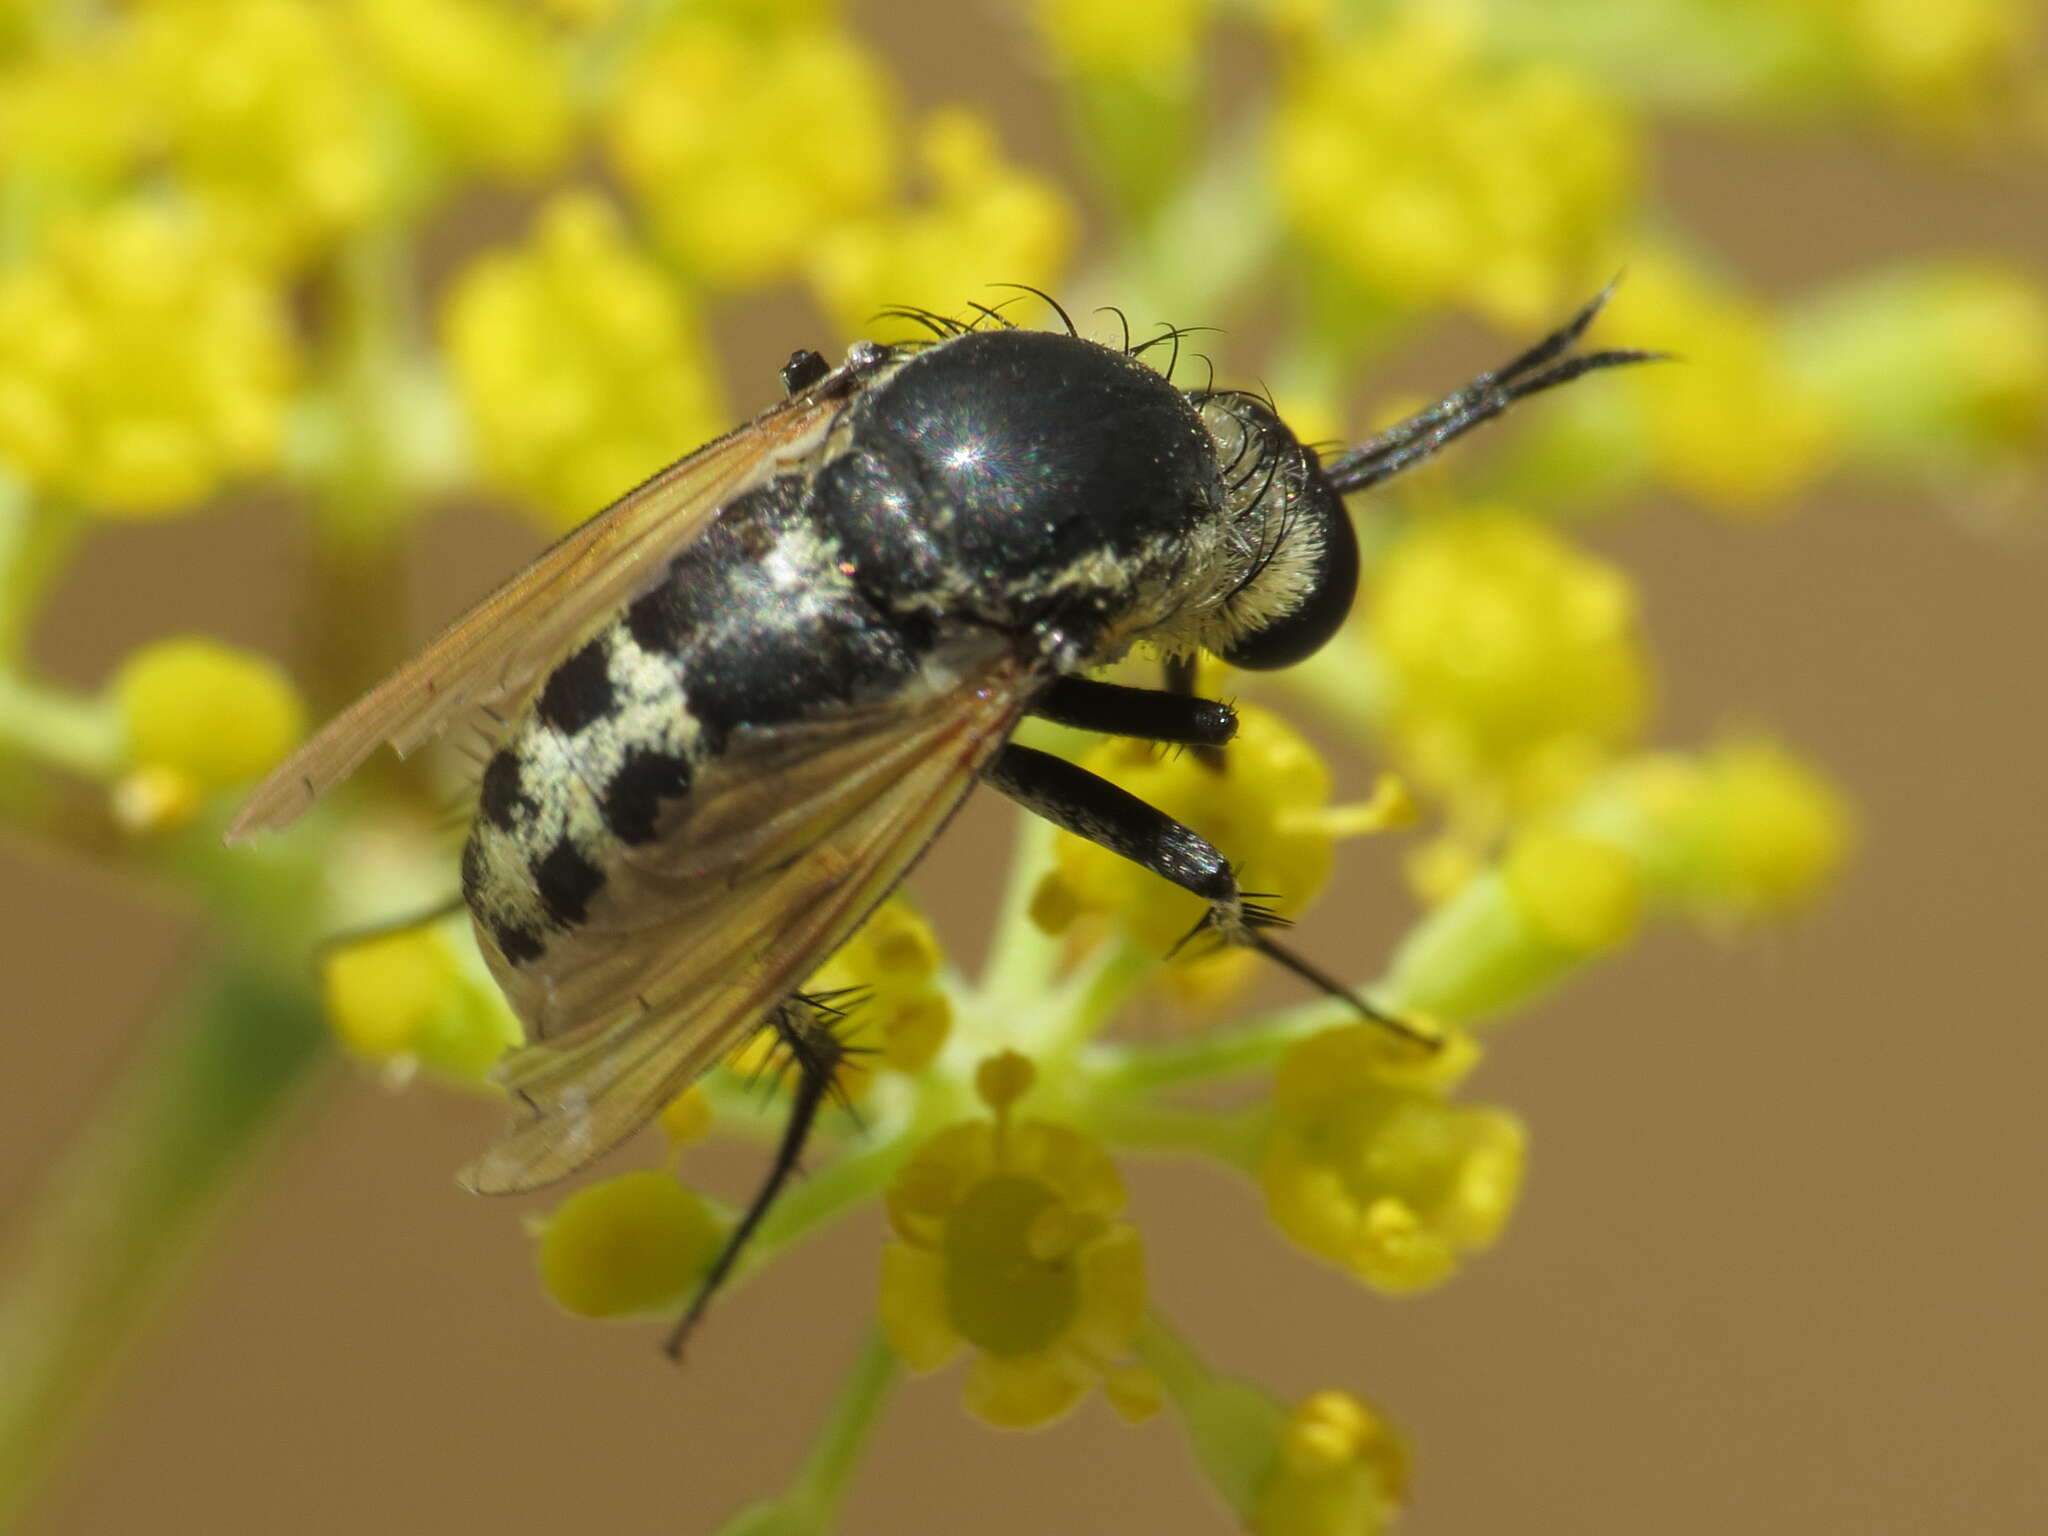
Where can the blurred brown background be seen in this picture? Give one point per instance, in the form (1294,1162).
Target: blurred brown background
(1783,1258)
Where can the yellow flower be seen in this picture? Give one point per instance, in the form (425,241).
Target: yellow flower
(1954,67)
(406,999)
(1515,663)
(1268,805)
(1744,833)
(1729,422)
(206,712)
(70,114)
(1433,177)
(988,221)
(482,76)
(1339,1470)
(892,962)
(625,1246)
(1938,366)
(746,137)
(1367,1165)
(141,364)
(1010,1240)
(266,116)
(581,365)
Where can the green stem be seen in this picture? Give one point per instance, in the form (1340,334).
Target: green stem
(1125,1071)
(80,735)
(826,1472)
(120,1211)
(1021,955)
(1234,1138)
(37,540)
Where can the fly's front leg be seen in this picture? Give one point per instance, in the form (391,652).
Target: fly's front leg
(1145,713)
(1110,817)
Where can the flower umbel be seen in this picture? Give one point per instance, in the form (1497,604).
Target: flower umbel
(341,264)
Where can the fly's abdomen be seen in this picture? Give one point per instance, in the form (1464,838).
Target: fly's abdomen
(755,627)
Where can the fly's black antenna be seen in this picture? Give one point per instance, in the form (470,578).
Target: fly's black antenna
(1543,366)
(805,1026)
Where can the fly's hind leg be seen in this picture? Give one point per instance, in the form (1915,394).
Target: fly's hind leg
(808,1030)
(1111,817)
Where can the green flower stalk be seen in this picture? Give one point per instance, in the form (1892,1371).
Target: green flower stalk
(233,261)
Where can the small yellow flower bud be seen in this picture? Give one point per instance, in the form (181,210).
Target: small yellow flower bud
(1134,1392)
(154,798)
(1772,832)
(626,1245)
(1004,1078)
(1573,891)
(686,1118)
(1341,1471)
(406,998)
(214,714)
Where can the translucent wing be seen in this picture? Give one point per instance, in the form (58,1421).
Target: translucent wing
(499,649)
(771,861)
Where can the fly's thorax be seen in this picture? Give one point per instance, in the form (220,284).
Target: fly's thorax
(1021,479)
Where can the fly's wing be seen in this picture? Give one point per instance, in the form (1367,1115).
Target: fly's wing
(777,854)
(499,649)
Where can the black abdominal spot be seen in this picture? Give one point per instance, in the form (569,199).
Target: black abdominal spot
(578,692)
(566,881)
(501,800)
(633,798)
(519,945)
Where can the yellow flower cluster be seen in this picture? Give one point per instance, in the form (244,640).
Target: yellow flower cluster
(582,367)
(1010,1241)
(1742,833)
(1368,1164)
(1938,366)
(1435,176)
(1514,663)
(1954,68)
(142,364)
(1730,422)
(745,133)
(483,77)
(987,220)
(270,126)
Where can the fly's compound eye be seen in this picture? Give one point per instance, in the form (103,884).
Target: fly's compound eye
(1325,601)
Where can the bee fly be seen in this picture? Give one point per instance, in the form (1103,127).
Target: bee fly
(729,712)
